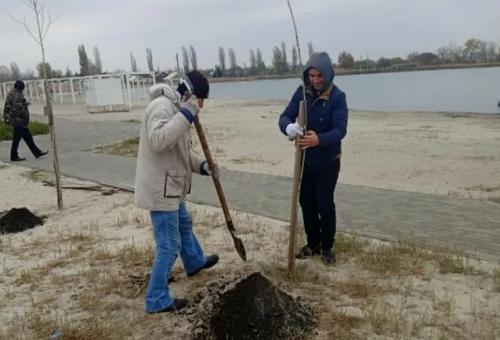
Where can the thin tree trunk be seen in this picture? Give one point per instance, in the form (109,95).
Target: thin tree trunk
(48,111)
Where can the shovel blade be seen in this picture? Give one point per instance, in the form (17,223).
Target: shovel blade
(240,248)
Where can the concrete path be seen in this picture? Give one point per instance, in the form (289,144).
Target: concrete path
(471,225)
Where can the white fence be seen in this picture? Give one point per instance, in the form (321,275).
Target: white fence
(73,90)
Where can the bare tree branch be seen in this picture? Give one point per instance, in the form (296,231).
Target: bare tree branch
(27,3)
(25,25)
(51,21)
(42,18)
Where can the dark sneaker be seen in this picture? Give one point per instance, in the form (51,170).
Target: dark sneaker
(211,261)
(328,257)
(43,153)
(306,252)
(17,159)
(176,305)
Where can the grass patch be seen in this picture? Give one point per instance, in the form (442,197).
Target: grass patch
(403,258)
(36,128)
(341,325)
(126,148)
(32,276)
(495,199)
(360,288)
(378,317)
(132,120)
(38,175)
(454,264)
(496,280)
(484,188)
(41,322)
(136,255)
(399,259)
(350,244)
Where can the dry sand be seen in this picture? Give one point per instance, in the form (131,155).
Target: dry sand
(73,273)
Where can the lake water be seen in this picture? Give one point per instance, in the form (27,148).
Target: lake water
(459,90)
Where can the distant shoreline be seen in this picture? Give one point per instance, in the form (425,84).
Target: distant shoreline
(342,72)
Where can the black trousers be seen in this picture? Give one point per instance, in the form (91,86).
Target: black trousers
(317,203)
(24,133)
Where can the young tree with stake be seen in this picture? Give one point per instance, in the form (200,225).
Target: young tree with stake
(43,22)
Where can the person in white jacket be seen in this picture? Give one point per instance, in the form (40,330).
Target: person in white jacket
(165,163)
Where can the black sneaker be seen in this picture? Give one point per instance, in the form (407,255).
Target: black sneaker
(43,153)
(328,257)
(176,305)
(306,252)
(17,159)
(211,261)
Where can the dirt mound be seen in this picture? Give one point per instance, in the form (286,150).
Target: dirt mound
(255,309)
(17,220)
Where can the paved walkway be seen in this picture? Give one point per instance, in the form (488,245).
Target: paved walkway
(471,225)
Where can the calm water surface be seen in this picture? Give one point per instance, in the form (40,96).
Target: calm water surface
(460,90)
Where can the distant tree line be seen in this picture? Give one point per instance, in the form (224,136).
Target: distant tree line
(283,61)
(474,51)
(280,64)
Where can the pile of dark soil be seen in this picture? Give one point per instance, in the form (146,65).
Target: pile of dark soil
(255,309)
(17,220)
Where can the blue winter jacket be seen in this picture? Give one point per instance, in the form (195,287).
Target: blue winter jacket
(326,114)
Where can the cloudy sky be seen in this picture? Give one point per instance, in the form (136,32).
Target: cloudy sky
(370,28)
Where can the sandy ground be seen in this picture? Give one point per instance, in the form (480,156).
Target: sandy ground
(437,153)
(73,274)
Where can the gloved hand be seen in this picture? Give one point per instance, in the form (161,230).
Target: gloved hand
(293,130)
(190,103)
(214,172)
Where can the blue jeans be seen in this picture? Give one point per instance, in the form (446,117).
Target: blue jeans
(173,232)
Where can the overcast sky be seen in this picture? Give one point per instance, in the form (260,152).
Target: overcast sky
(370,28)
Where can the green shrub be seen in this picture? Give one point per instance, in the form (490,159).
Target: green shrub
(36,128)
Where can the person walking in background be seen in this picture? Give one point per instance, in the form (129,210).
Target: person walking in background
(326,126)
(16,114)
(165,164)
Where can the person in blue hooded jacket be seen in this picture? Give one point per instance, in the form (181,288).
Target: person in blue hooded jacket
(326,127)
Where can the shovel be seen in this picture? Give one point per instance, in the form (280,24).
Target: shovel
(238,244)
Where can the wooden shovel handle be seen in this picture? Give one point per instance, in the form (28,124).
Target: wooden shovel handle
(238,243)
(210,161)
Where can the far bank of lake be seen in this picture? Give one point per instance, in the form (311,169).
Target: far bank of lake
(340,71)
(475,90)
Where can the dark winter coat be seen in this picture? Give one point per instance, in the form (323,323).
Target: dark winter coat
(326,114)
(16,112)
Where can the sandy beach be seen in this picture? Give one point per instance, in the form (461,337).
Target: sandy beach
(83,272)
(437,153)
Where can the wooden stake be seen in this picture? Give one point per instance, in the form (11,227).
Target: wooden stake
(297,174)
